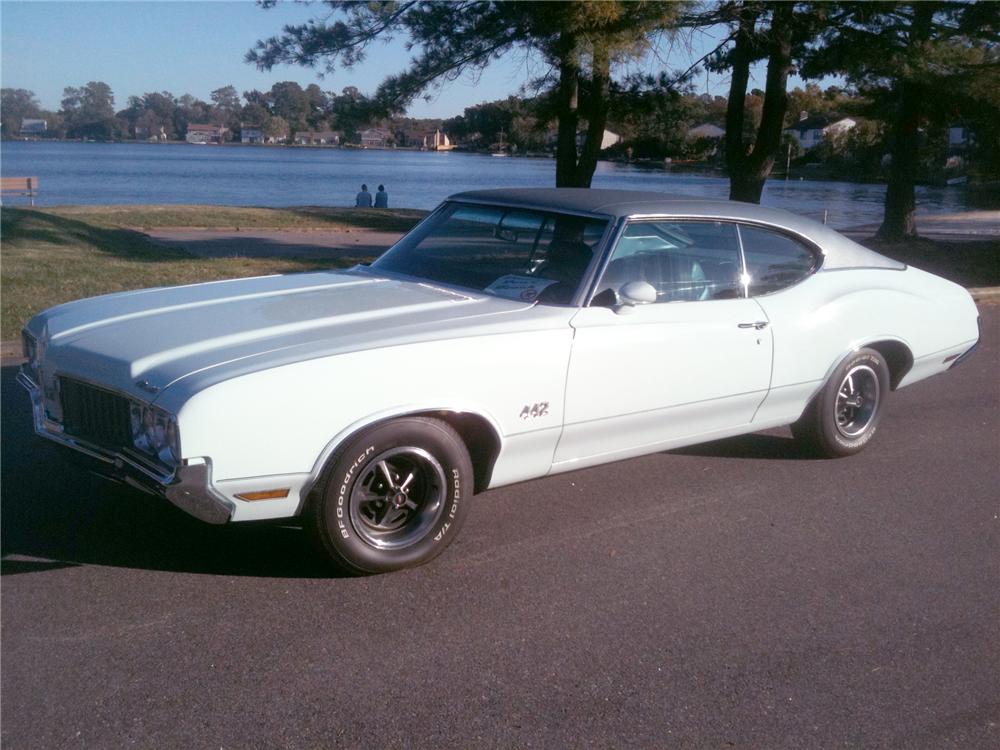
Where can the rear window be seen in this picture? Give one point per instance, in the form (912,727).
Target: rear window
(774,261)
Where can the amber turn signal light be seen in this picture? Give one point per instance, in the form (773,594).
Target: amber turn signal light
(263,495)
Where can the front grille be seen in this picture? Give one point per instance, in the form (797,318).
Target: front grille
(94,414)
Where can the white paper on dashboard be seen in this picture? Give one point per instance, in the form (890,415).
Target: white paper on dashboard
(523,288)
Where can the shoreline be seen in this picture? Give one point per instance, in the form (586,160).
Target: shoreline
(644,165)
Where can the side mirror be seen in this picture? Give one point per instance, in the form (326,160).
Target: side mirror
(635,293)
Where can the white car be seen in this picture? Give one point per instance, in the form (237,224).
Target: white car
(512,334)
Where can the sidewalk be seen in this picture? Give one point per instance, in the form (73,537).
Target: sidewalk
(264,243)
(963,247)
(968,226)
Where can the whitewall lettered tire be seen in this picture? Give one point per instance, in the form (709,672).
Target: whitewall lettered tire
(393,496)
(844,416)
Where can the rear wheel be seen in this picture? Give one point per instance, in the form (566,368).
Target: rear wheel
(845,414)
(393,497)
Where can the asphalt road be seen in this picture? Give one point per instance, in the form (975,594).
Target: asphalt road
(730,595)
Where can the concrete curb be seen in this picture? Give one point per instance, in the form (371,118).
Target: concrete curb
(985,293)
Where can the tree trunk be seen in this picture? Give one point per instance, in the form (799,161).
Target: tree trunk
(741,59)
(750,165)
(898,223)
(597,116)
(900,197)
(746,188)
(566,110)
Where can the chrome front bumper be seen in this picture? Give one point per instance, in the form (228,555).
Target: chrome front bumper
(189,488)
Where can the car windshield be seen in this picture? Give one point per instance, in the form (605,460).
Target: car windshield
(509,252)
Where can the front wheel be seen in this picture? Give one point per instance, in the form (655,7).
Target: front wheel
(845,414)
(393,497)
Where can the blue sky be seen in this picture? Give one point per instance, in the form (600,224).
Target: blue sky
(196,47)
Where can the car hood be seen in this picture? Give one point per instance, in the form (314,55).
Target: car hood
(142,342)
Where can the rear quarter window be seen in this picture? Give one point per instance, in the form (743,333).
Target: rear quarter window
(774,261)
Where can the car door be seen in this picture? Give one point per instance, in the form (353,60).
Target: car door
(695,362)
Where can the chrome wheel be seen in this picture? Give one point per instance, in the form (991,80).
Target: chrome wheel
(857,401)
(399,496)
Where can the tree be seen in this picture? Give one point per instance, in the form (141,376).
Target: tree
(255,97)
(190,111)
(226,107)
(758,31)
(90,111)
(814,101)
(289,102)
(160,109)
(350,111)
(579,40)
(255,115)
(751,163)
(276,127)
(778,32)
(15,105)
(317,107)
(653,115)
(921,63)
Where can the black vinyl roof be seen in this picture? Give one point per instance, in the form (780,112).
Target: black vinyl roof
(583,200)
(618,203)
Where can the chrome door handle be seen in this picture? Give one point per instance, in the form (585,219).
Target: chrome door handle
(760,324)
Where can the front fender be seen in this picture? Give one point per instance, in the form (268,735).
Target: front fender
(289,419)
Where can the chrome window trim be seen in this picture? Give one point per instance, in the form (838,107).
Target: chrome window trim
(902,267)
(596,268)
(624,221)
(613,239)
(610,218)
(811,247)
(744,274)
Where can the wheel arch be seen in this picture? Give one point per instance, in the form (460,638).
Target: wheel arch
(480,434)
(898,358)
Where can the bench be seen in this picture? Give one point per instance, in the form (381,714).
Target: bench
(23,186)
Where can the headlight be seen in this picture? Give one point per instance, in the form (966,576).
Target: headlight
(31,353)
(155,434)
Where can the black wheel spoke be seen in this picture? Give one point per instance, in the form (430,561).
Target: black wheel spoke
(857,401)
(389,515)
(398,497)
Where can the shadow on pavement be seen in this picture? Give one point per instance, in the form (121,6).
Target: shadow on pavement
(59,515)
(755,446)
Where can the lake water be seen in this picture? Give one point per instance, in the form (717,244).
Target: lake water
(109,173)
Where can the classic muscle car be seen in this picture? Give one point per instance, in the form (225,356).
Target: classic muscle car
(512,334)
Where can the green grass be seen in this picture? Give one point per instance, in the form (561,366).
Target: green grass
(969,263)
(236,217)
(53,256)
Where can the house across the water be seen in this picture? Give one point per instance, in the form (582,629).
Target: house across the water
(206,133)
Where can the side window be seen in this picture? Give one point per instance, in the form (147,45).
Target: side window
(774,261)
(684,261)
